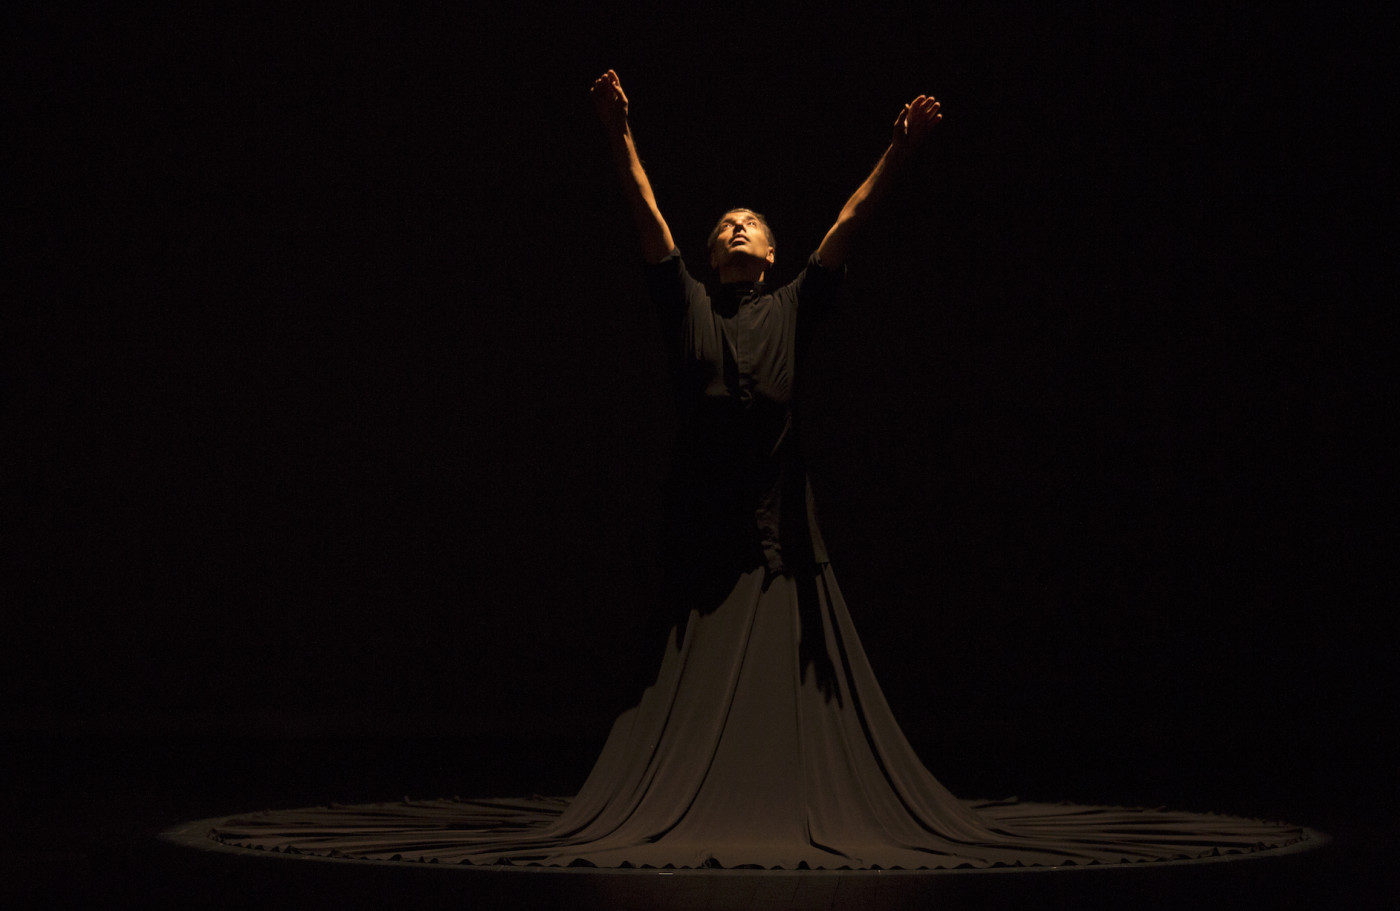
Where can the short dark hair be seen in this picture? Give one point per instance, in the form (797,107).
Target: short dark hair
(767,231)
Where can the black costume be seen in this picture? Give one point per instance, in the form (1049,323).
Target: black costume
(739,494)
(765,740)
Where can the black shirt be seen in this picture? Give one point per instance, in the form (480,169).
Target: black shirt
(739,490)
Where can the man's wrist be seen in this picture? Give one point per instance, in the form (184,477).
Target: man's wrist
(618,130)
(899,151)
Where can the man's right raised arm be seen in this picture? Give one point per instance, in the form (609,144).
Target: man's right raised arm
(611,103)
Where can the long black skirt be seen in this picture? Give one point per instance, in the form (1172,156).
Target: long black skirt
(765,742)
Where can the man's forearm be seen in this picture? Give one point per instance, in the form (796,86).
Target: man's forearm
(868,195)
(862,204)
(636,187)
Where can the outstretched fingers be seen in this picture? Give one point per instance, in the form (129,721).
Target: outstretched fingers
(926,107)
(920,116)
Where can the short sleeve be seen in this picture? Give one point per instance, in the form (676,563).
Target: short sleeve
(817,287)
(679,299)
(668,282)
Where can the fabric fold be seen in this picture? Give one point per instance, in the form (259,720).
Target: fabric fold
(764,742)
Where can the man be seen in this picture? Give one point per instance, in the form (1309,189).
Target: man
(739,493)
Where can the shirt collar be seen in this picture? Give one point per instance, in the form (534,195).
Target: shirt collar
(741,290)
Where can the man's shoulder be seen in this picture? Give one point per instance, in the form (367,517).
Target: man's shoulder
(670,280)
(669,261)
(814,268)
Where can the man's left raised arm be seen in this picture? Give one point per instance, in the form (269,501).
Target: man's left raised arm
(911,127)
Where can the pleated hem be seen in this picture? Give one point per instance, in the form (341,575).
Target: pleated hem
(479,833)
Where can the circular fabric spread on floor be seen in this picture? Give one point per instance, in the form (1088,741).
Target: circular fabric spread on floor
(764,743)
(516,832)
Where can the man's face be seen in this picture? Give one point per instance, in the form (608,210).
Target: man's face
(741,235)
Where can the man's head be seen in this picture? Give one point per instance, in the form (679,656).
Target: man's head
(741,246)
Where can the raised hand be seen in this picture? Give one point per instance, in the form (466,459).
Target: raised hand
(610,100)
(916,121)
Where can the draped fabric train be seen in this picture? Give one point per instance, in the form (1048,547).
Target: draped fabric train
(765,742)
(745,753)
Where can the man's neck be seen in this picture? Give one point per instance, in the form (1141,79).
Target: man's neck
(732,275)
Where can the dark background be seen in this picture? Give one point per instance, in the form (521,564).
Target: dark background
(336,408)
